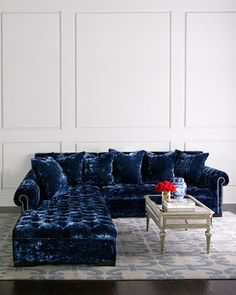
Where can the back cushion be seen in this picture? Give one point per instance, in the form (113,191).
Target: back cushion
(51,175)
(98,169)
(158,167)
(72,166)
(71,163)
(190,166)
(127,166)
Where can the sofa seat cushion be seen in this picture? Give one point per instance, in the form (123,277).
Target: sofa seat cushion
(127,200)
(69,228)
(65,214)
(85,189)
(111,191)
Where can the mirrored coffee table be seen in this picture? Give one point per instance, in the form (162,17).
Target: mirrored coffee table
(197,218)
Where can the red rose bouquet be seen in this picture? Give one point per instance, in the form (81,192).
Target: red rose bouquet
(165,186)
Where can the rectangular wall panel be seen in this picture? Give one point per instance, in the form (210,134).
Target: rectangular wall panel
(31,70)
(16,160)
(210,69)
(123,69)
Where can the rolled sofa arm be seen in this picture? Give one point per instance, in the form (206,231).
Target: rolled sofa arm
(212,177)
(27,194)
(215,180)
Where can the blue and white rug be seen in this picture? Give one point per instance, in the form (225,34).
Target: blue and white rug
(138,254)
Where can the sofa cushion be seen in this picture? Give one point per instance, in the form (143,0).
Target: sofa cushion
(51,174)
(127,166)
(72,166)
(118,189)
(189,166)
(157,168)
(84,213)
(85,189)
(71,163)
(73,229)
(127,200)
(84,209)
(98,169)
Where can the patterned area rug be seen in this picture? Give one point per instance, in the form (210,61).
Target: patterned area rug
(138,254)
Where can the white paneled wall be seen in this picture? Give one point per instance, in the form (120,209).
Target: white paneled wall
(31,70)
(122,58)
(210,69)
(89,75)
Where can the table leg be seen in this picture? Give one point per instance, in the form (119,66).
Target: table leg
(186,222)
(162,234)
(147,221)
(208,239)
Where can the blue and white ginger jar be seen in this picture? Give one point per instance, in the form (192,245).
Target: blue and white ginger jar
(181,188)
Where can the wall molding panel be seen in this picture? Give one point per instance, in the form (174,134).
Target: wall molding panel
(33,54)
(210,68)
(121,32)
(92,75)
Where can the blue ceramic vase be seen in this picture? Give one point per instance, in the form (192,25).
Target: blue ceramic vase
(181,188)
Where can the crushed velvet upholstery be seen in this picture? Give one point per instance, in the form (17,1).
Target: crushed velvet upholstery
(69,228)
(127,166)
(210,178)
(214,180)
(75,226)
(71,163)
(204,195)
(98,169)
(72,166)
(189,167)
(210,175)
(51,175)
(127,200)
(27,194)
(158,168)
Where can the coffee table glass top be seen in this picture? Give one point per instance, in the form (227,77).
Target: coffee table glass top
(179,205)
(199,208)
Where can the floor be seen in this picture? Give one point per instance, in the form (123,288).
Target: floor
(175,287)
(118,288)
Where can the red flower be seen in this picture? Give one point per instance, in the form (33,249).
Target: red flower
(165,186)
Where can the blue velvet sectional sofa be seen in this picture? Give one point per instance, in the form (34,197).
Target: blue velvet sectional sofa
(68,200)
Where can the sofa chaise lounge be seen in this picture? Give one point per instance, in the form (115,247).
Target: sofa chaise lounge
(68,200)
